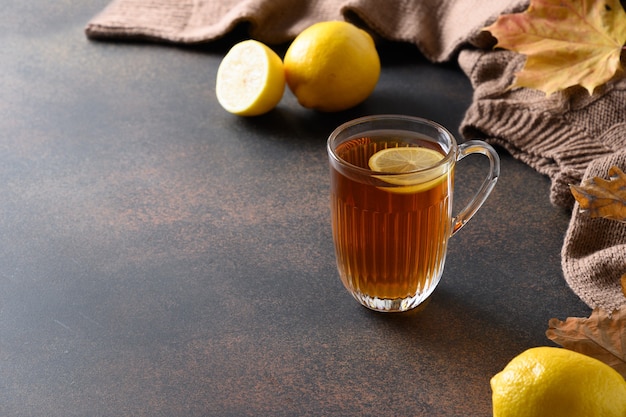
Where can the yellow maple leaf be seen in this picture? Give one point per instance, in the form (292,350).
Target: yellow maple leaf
(566,42)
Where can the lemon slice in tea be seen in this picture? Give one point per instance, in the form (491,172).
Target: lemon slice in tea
(250,79)
(404,159)
(407,160)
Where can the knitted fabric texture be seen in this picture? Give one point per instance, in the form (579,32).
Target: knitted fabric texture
(567,136)
(594,252)
(437,27)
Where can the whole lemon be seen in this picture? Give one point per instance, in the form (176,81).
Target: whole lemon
(556,382)
(332,66)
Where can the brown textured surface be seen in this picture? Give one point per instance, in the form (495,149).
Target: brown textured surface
(159,257)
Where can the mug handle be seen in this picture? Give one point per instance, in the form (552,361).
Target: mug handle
(480,147)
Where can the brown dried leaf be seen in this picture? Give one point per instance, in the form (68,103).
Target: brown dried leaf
(603,198)
(601,336)
(623,282)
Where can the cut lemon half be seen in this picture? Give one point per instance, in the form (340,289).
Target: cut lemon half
(408,160)
(250,79)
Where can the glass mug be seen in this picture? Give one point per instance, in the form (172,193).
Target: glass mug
(390,229)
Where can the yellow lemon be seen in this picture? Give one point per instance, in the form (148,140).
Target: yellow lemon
(250,79)
(556,382)
(404,159)
(408,160)
(332,66)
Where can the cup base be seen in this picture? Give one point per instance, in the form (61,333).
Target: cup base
(394,305)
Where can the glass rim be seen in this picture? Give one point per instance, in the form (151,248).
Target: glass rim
(450,154)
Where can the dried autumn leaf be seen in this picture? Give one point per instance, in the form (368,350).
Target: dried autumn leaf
(601,336)
(603,198)
(566,42)
(623,284)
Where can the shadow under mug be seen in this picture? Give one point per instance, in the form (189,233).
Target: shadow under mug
(390,229)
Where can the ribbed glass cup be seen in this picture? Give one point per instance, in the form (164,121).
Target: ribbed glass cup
(390,229)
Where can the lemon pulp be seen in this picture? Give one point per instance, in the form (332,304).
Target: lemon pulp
(250,79)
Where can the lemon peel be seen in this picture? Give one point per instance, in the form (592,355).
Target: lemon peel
(556,382)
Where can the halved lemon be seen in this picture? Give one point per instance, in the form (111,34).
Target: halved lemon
(250,79)
(414,162)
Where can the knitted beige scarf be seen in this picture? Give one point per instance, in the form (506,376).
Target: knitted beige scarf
(567,136)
